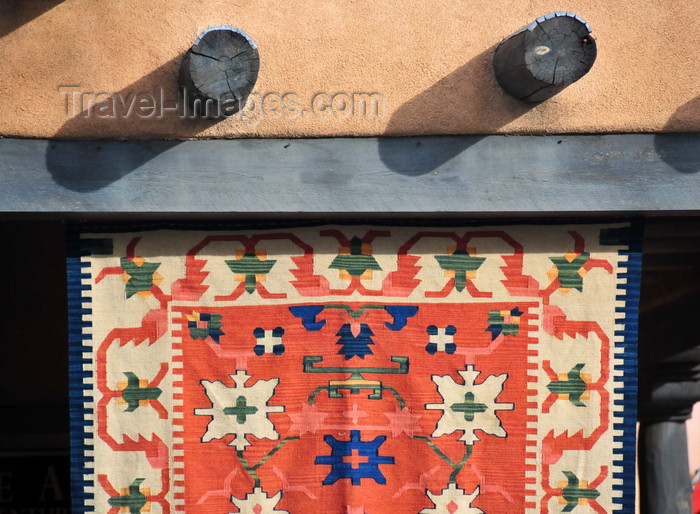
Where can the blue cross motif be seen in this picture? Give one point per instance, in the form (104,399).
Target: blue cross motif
(354,459)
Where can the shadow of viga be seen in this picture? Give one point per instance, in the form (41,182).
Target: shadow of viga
(149,109)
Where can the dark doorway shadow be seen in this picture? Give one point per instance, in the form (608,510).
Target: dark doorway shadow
(150,107)
(15,13)
(681,151)
(469,96)
(670,294)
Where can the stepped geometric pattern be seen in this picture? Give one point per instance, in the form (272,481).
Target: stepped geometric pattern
(354,369)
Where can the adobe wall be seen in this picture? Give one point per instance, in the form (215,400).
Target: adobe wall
(427,63)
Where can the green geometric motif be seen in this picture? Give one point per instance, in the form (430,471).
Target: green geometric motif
(462,264)
(574,386)
(134,501)
(133,394)
(141,277)
(506,322)
(356,383)
(242,410)
(250,265)
(568,270)
(356,263)
(212,329)
(572,493)
(469,407)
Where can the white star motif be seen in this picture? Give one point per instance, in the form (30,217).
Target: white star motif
(453,500)
(258,502)
(240,410)
(471,406)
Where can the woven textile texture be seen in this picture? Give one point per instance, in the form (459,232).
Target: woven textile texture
(355,369)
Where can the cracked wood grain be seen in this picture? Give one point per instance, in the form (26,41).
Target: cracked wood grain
(543,58)
(219,72)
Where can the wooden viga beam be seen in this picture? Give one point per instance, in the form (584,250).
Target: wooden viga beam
(541,59)
(219,72)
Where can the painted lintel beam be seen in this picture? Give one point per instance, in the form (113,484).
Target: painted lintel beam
(459,175)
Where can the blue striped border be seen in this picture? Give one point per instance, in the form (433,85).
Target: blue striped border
(628,316)
(80,436)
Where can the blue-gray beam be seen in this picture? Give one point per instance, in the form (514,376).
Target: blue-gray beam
(459,175)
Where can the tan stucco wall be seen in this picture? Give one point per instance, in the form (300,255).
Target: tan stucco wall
(430,61)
